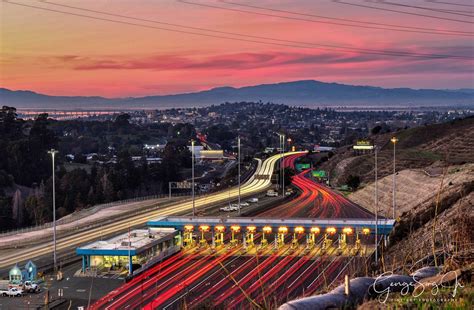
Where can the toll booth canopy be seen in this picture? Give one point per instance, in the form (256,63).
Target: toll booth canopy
(134,248)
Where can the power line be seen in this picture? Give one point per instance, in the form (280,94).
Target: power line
(424,8)
(378,52)
(450,3)
(405,28)
(296,44)
(402,12)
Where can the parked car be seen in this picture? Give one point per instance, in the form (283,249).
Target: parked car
(14,292)
(272,193)
(31,287)
(244,204)
(234,207)
(226,209)
(252,200)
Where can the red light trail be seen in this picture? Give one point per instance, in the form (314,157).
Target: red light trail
(236,281)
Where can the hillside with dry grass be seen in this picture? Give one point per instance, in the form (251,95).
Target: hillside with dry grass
(432,145)
(435,192)
(435,204)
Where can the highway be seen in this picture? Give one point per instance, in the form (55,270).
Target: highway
(316,200)
(257,183)
(232,277)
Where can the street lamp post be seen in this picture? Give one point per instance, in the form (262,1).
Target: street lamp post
(238,150)
(279,174)
(394,140)
(192,176)
(376,206)
(280,177)
(52,152)
(283,167)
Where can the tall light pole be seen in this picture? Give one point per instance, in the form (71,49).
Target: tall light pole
(238,151)
(376,206)
(192,175)
(53,152)
(283,168)
(280,177)
(394,140)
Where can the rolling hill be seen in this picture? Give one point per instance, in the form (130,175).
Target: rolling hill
(301,93)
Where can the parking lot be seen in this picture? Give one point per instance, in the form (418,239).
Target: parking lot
(77,291)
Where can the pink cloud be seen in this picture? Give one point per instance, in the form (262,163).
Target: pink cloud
(236,61)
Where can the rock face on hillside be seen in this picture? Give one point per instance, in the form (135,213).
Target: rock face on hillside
(415,188)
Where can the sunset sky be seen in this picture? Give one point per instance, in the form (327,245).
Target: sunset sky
(62,54)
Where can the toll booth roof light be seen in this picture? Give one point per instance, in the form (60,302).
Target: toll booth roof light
(299,229)
(331,230)
(204,227)
(347,230)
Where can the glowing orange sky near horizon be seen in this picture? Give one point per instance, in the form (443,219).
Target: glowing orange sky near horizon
(59,54)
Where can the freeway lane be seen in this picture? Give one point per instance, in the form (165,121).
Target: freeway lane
(252,186)
(318,201)
(244,280)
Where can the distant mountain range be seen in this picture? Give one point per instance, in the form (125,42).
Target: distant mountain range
(300,93)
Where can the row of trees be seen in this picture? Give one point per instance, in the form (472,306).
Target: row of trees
(25,166)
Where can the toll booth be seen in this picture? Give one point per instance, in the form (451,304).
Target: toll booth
(259,224)
(332,232)
(126,251)
(15,275)
(30,272)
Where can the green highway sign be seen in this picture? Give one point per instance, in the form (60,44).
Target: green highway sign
(319,173)
(302,166)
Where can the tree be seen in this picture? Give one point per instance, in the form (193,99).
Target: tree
(10,125)
(122,120)
(376,129)
(17,207)
(353,181)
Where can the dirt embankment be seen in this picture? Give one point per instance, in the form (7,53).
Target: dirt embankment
(415,188)
(417,197)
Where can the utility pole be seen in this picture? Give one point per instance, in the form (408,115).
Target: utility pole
(53,153)
(238,150)
(394,140)
(283,169)
(192,176)
(280,177)
(376,207)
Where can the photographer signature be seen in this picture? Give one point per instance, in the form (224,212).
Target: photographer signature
(418,287)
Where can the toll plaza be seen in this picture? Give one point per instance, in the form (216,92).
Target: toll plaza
(245,231)
(384,226)
(124,252)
